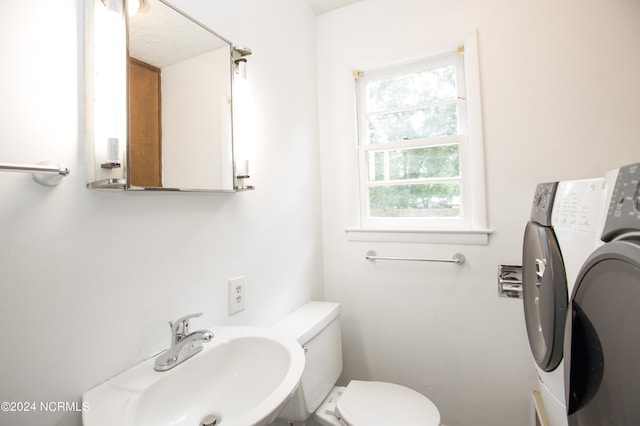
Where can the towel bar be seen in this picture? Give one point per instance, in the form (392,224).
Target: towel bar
(457,258)
(45,173)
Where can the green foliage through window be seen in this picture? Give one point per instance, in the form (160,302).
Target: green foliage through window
(415,163)
(411,138)
(423,200)
(409,90)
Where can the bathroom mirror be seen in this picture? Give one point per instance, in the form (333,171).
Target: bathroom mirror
(179,102)
(158,110)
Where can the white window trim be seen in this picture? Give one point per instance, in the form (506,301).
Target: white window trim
(477,231)
(430,236)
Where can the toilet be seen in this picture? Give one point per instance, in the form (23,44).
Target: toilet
(316,326)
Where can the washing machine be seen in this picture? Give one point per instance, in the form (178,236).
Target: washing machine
(602,340)
(564,228)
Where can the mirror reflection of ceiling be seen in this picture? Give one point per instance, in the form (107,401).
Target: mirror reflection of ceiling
(323,6)
(148,30)
(158,25)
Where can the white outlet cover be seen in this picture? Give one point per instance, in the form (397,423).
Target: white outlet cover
(236,294)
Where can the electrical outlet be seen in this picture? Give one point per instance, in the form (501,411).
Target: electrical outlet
(236,295)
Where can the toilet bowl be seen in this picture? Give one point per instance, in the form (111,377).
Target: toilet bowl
(316,326)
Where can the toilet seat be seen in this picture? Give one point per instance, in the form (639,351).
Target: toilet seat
(383,404)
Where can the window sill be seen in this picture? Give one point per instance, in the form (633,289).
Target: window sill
(444,236)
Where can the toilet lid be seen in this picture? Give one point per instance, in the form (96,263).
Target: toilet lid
(384,404)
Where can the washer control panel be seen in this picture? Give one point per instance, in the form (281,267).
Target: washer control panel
(543,203)
(623,215)
(579,205)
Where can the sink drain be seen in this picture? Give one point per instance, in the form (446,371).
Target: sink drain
(210,420)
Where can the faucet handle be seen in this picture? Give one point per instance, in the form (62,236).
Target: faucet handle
(180,327)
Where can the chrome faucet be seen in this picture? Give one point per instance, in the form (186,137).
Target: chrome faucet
(184,345)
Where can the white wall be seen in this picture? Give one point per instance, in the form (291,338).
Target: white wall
(90,279)
(560,100)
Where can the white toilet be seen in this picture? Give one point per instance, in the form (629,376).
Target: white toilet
(316,326)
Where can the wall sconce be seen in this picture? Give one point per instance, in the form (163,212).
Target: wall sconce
(241,175)
(241,114)
(240,62)
(106,67)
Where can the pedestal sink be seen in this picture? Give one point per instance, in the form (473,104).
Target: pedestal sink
(243,377)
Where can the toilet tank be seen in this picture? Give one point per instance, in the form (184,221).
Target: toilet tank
(316,326)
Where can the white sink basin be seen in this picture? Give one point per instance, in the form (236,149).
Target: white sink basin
(243,377)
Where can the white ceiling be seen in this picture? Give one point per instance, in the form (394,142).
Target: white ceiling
(324,6)
(147,33)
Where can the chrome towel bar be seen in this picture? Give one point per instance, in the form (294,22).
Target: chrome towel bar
(45,173)
(457,258)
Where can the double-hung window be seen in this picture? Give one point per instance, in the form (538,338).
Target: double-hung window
(416,161)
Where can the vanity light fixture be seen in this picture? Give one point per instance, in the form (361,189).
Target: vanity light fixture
(242,174)
(241,169)
(106,66)
(241,67)
(240,62)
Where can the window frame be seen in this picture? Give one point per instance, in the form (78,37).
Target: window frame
(470,141)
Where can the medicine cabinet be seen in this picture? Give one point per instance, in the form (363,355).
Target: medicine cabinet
(159,99)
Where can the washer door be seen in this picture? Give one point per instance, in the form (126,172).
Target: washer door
(544,288)
(602,370)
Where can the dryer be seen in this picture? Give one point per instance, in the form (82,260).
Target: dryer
(544,285)
(602,345)
(564,228)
